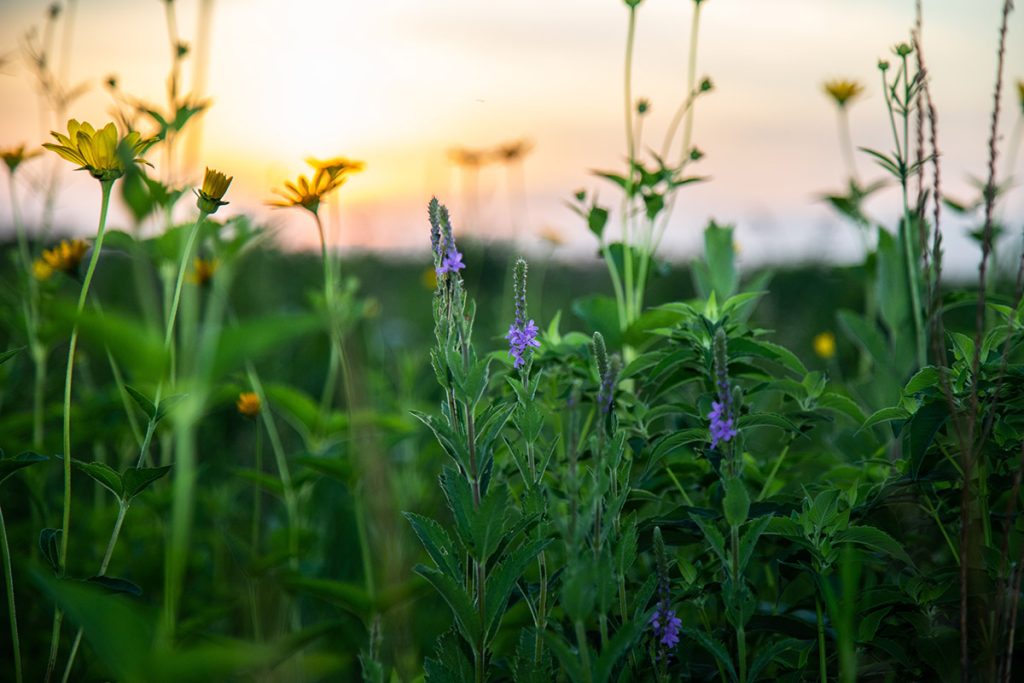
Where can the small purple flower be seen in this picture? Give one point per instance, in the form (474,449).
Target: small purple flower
(452,262)
(723,422)
(722,428)
(520,340)
(522,334)
(666,625)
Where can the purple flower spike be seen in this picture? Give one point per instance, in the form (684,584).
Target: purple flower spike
(452,262)
(521,340)
(722,428)
(666,625)
(522,334)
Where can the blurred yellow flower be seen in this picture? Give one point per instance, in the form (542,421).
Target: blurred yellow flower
(40,270)
(429,278)
(215,186)
(203,271)
(14,156)
(64,257)
(842,90)
(101,152)
(308,194)
(825,345)
(1020,94)
(248,404)
(552,236)
(337,165)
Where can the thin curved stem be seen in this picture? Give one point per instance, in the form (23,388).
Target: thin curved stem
(106,186)
(11,612)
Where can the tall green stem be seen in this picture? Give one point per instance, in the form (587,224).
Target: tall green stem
(627,250)
(11,612)
(741,634)
(31,306)
(111,544)
(172,316)
(105,186)
(910,243)
(822,668)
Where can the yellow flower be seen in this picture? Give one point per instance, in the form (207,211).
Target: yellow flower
(842,90)
(825,345)
(101,152)
(15,155)
(552,236)
(64,257)
(429,279)
(40,270)
(306,193)
(248,404)
(203,271)
(336,166)
(215,186)
(513,151)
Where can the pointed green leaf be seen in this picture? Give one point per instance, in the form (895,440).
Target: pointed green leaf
(460,603)
(9,466)
(103,474)
(135,480)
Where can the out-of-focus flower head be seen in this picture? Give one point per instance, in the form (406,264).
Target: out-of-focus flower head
(337,165)
(203,271)
(215,186)
(306,193)
(101,152)
(825,345)
(248,404)
(842,90)
(15,156)
(65,257)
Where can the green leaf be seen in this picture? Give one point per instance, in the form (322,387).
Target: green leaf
(721,260)
(752,420)
(103,474)
(893,294)
(49,547)
(569,660)
(9,466)
(349,596)
(713,537)
(600,314)
(488,522)
(502,580)
(461,605)
(925,378)
(138,348)
(115,585)
(437,544)
(597,218)
(749,539)
(118,631)
(617,646)
(136,480)
(7,355)
(715,648)
(140,400)
(876,539)
(460,502)
(865,336)
(843,405)
(252,339)
(736,503)
(767,654)
(885,415)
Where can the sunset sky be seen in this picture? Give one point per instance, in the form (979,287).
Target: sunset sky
(398,83)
